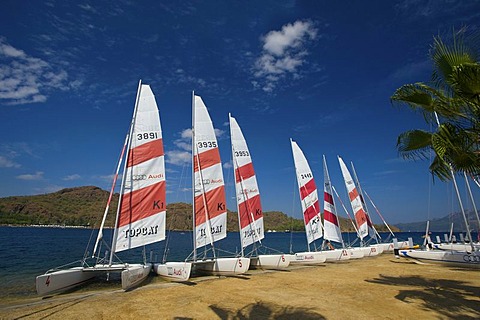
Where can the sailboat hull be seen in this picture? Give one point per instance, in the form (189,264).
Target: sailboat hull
(62,280)
(270,261)
(222,266)
(336,255)
(173,271)
(135,274)
(309,258)
(356,253)
(448,258)
(371,251)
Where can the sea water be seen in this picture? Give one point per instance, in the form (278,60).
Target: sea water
(30,251)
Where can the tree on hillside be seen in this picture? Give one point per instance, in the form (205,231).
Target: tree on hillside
(451,104)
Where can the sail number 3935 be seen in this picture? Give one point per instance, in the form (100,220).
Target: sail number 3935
(207,144)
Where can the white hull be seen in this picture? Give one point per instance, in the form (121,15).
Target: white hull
(336,255)
(135,274)
(455,246)
(451,258)
(309,258)
(270,261)
(371,251)
(356,253)
(62,280)
(173,271)
(222,266)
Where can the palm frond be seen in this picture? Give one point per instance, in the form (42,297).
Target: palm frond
(414,144)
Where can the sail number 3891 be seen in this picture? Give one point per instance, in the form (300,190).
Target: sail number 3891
(147,136)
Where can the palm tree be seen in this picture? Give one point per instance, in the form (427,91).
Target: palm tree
(451,103)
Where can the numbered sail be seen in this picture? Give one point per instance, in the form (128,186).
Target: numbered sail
(142,208)
(355,201)
(308,195)
(330,220)
(210,203)
(248,196)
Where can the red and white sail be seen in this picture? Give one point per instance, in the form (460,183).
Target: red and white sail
(308,195)
(248,196)
(358,210)
(142,207)
(330,220)
(210,210)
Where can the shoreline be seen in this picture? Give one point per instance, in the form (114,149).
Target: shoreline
(377,287)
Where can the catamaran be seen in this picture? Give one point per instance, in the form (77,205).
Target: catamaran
(209,202)
(310,207)
(250,216)
(141,211)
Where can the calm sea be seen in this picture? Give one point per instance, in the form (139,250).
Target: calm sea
(30,251)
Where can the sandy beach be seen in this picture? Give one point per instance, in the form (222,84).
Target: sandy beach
(382,287)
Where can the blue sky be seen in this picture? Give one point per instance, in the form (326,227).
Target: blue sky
(320,72)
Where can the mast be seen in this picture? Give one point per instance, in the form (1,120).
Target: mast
(467,226)
(473,201)
(194,229)
(115,231)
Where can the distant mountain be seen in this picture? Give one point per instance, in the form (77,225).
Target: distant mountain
(84,206)
(442,224)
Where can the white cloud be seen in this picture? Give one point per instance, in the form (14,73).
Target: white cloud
(26,79)
(284,52)
(36,176)
(178,157)
(72,177)
(7,163)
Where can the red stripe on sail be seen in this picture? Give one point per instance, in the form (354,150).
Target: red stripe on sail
(330,217)
(311,212)
(307,189)
(249,209)
(244,172)
(353,194)
(145,152)
(142,203)
(207,159)
(360,217)
(215,204)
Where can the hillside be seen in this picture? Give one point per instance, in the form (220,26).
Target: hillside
(84,206)
(443,224)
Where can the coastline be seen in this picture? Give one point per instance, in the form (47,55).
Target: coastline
(378,287)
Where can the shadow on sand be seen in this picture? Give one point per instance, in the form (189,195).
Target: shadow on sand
(449,298)
(261,311)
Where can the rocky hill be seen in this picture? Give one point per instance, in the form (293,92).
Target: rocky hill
(84,206)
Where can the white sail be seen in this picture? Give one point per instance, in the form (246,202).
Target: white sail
(142,207)
(358,211)
(248,196)
(308,195)
(210,211)
(330,219)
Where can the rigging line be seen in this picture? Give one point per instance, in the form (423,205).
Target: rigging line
(378,211)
